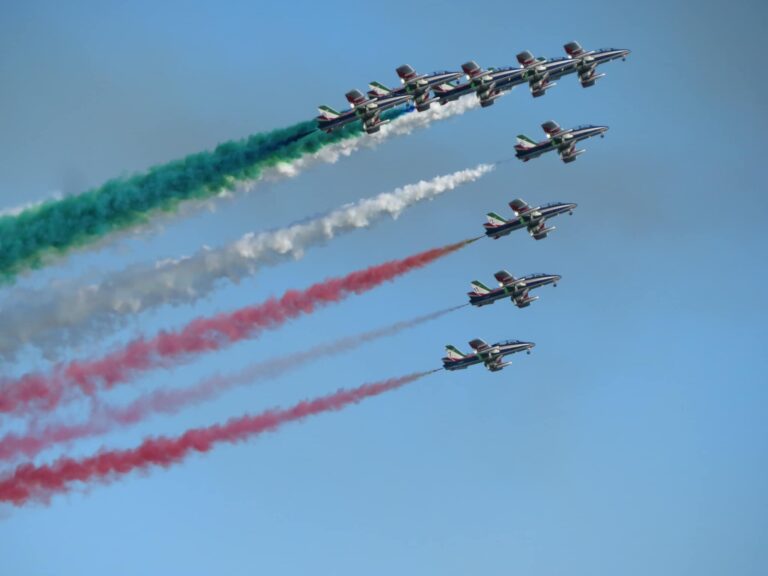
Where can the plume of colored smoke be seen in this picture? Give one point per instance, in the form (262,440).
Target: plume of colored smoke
(41,233)
(64,314)
(54,228)
(38,483)
(45,391)
(104,419)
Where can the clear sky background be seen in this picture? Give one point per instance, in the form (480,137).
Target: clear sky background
(632,441)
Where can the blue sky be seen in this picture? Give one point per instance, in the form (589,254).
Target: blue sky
(631,441)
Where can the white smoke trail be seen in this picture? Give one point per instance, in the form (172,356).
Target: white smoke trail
(400,126)
(66,313)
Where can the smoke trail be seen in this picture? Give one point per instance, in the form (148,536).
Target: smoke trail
(38,483)
(65,313)
(401,126)
(42,233)
(104,419)
(45,392)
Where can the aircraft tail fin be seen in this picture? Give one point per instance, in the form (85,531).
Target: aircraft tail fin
(525,142)
(480,288)
(495,220)
(328,113)
(377,89)
(453,353)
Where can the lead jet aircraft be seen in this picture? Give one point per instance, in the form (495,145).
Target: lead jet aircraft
(516,289)
(416,86)
(491,356)
(562,140)
(485,83)
(367,110)
(586,61)
(534,219)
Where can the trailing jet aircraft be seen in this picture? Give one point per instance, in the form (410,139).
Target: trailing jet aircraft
(588,60)
(417,86)
(534,219)
(539,72)
(485,83)
(367,110)
(564,141)
(491,356)
(516,289)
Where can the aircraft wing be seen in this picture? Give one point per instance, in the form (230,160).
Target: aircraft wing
(479,345)
(504,277)
(519,206)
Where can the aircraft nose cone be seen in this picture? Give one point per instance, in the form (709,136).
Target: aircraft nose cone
(556,277)
(625,53)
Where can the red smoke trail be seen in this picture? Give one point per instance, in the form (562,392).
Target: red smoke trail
(45,392)
(104,418)
(38,483)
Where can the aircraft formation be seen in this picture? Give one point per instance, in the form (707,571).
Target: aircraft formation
(40,394)
(420,91)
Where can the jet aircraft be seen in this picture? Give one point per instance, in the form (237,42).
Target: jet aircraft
(587,61)
(562,140)
(416,86)
(539,72)
(534,219)
(367,110)
(490,355)
(516,289)
(485,83)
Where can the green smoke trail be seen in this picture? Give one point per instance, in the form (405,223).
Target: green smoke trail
(42,233)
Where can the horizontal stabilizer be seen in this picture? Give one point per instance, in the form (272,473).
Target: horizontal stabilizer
(328,112)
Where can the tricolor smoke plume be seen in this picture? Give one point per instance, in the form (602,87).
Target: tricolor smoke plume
(104,419)
(38,483)
(64,314)
(37,235)
(45,392)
